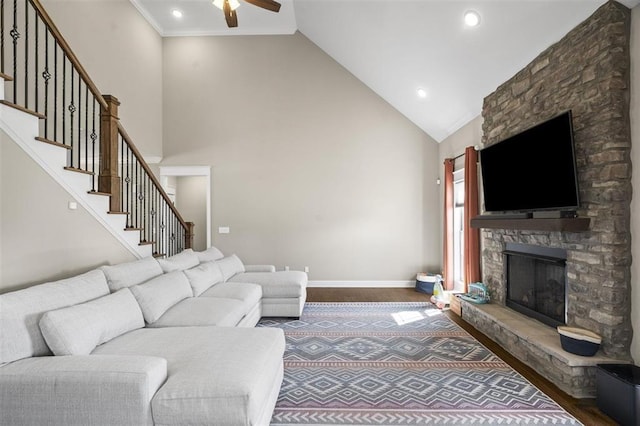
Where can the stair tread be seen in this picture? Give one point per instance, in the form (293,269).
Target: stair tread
(110,212)
(23,109)
(133,229)
(77,170)
(159,255)
(99,193)
(146,243)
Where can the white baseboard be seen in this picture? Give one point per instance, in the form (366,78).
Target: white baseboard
(361,284)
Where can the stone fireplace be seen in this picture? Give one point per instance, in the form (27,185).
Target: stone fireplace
(535,279)
(587,72)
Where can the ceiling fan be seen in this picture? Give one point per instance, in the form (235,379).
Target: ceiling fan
(229,7)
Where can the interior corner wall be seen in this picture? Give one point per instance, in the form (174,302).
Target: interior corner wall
(309,166)
(635,203)
(122,54)
(40,238)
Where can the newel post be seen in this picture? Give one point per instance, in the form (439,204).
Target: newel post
(188,237)
(108,179)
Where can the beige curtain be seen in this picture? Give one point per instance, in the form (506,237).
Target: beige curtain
(447,261)
(471,209)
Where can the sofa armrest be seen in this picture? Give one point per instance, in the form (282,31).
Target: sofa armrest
(80,390)
(259,268)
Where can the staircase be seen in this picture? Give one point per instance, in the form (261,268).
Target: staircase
(52,109)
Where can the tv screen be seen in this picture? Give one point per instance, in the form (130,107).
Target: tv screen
(532,170)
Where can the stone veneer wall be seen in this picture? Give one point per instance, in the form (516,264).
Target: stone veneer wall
(588,72)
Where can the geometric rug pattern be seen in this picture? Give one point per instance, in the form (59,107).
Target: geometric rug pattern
(398,364)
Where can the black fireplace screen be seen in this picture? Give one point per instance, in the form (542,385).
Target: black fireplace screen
(536,283)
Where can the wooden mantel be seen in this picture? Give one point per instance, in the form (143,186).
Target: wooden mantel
(571,224)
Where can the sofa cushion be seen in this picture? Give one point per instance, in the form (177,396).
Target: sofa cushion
(249,294)
(230,266)
(179,262)
(109,390)
(209,255)
(217,375)
(158,294)
(201,311)
(20,312)
(131,273)
(276,284)
(203,277)
(78,329)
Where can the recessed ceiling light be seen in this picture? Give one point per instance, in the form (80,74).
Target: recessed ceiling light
(471,18)
(422,93)
(176,13)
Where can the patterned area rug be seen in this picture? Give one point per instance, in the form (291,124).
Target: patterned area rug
(398,364)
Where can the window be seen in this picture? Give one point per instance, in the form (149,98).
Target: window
(458,229)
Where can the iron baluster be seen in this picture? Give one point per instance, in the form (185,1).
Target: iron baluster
(94,136)
(2,36)
(15,35)
(139,198)
(162,228)
(125,183)
(55,92)
(72,110)
(144,207)
(35,65)
(26,56)
(86,128)
(134,192)
(46,76)
(153,212)
(64,98)
(80,144)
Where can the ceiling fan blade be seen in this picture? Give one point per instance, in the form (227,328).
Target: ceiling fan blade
(230,15)
(271,5)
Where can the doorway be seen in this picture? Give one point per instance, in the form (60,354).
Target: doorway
(189,187)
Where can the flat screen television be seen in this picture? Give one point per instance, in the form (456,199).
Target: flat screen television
(532,170)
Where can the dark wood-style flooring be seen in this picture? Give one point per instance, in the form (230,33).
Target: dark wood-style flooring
(585,410)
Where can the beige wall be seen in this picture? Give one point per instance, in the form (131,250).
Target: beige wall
(123,55)
(40,238)
(309,166)
(191,202)
(635,204)
(468,135)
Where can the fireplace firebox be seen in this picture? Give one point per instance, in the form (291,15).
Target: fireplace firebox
(536,282)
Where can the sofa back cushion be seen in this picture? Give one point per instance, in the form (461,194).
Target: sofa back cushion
(230,266)
(78,329)
(20,312)
(159,294)
(203,277)
(127,274)
(179,262)
(209,255)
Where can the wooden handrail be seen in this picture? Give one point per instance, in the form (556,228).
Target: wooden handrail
(68,52)
(146,168)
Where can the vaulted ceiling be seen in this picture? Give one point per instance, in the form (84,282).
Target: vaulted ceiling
(396,47)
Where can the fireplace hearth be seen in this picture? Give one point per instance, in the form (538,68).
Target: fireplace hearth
(536,282)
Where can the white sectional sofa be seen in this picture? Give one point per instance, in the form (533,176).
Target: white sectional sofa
(151,342)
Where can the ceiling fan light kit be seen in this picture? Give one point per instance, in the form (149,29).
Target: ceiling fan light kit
(229,7)
(234,4)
